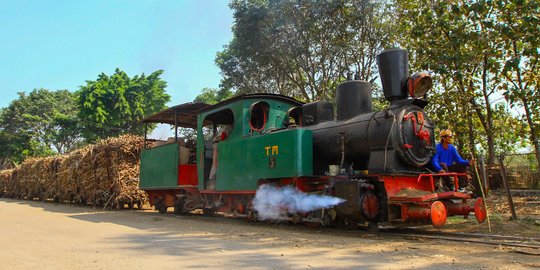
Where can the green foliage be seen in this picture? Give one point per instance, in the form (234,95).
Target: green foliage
(301,48)
(519,25)
(213,96)
(34,124)
(467,47)
(114,105)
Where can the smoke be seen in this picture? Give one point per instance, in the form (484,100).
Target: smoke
(273,203)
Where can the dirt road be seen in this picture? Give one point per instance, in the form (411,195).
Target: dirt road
(37,235)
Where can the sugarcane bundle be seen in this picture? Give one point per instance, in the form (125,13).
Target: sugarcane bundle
(116,174)
(5,178)
(25,179)
(40,178)
(103,174)
(53,189)
(68,177)
(13,185)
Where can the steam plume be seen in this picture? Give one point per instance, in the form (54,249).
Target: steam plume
(274,203)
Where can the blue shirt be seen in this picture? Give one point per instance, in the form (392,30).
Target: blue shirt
(447,156)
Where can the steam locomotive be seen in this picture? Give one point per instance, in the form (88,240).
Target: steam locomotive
(375,160)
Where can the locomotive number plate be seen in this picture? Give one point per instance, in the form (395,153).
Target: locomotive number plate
(272,162)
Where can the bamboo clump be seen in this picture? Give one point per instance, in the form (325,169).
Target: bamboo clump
(104,174)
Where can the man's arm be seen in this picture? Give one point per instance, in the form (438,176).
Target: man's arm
(457,158)
(435,162)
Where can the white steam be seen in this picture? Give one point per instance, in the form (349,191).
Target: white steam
(275,203)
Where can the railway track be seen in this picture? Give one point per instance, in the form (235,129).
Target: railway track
(489,239)
(532,244)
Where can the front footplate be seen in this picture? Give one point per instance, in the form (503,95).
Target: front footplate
(464,208)
(433,212)
(436,212)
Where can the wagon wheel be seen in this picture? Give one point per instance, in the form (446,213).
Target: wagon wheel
(179,208)
(161,207)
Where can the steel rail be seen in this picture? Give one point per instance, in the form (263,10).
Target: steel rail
(490,239)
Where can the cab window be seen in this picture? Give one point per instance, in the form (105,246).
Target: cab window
(258,116)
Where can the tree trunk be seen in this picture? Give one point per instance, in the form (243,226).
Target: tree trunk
(533,137)
(489,114)
(471,132)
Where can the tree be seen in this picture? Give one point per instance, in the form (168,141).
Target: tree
(31,125)
(519,24)
(114,105)
(301,48)
(459,43)
(213,96)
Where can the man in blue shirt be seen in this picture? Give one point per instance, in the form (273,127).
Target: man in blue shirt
(447,159)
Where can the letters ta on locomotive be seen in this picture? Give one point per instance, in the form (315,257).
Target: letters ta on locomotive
(375,162)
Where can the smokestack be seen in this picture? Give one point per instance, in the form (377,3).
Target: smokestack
(353,98)
(394,71)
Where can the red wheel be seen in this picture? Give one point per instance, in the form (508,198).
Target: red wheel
(480,210)
(438,214)
(369,203)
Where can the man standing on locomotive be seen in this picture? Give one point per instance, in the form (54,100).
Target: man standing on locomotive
(447,159)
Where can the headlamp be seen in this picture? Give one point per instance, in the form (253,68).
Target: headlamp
(419,84)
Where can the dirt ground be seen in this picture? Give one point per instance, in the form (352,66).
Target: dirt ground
(38,235)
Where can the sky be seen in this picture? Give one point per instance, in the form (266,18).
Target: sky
(56,45)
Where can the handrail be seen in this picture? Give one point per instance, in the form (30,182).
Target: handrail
(430,177)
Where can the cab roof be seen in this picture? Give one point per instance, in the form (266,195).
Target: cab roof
(187,112)
(254,96)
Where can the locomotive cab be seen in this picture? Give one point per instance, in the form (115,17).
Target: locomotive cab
(263,142)
(167,167)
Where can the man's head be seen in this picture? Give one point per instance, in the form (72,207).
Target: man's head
(446,136)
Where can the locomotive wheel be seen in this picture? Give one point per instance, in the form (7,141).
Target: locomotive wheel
(369,203)
(296,219)
(251,215)
(480,210)
(326,220)
(344,223)
(438,214)
(372,227)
